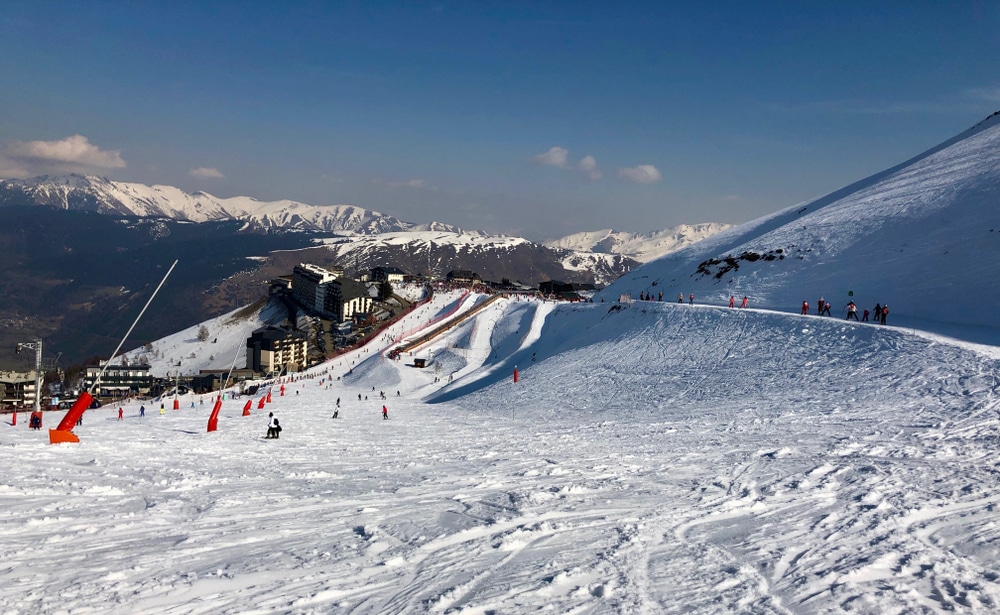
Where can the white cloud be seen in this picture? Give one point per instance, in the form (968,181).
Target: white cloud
(408,183)
(559,157)
(555,157)
(73,154)
(642,174)
(206,173)
(588,165)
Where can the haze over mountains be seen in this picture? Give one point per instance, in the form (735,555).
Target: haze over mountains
(97,194)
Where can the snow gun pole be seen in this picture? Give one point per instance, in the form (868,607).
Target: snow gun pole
(232,366)
(213,419)
(64,432)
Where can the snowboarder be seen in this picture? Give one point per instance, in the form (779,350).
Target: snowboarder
(805,308)
(336,413)
(385,413)
(885,312)
(826,309)
(743,303)
(852,311)
(272,426)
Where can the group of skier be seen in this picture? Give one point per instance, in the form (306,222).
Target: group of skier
(878,314)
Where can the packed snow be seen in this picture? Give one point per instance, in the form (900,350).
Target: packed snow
(652,458)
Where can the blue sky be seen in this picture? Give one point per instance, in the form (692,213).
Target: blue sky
(537,119)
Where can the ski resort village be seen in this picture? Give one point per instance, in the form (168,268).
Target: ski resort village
(700,436)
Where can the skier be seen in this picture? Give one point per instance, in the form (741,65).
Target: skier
(385,413)
(819,306)
(885,312)
(162,410)
(743,303)
(336,413)
(877,312)
(121,413)
(805,308)
(680,298)
(826,309)
(691,299)
(338,402)
(732,301)
(852,311)
(142,411)
(864,316)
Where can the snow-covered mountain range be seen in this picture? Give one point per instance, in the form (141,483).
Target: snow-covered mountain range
(642,247)
(91,193)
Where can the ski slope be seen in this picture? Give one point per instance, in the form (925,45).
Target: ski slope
(653,458)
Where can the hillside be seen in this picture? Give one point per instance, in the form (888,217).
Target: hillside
(922,236)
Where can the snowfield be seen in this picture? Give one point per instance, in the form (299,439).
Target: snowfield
(652,458)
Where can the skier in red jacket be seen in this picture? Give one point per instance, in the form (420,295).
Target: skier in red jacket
(805,308)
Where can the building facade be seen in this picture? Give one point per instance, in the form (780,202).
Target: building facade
(271,349)
(346,300)
(17,388)
(309,284)
(118,380)
(387,274)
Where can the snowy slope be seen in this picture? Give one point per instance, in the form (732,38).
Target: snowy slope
(923,236)
(642,247)
(653,458)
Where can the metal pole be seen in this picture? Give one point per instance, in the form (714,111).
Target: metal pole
(122,343)
(38,375)
(231,367)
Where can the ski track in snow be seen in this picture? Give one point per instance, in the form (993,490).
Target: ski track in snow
(659,458)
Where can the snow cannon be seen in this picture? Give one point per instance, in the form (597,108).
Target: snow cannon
(64,432)
(246,408)
(213,420)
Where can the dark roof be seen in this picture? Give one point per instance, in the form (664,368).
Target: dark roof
(349,289)
(389,270)
(463,274)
